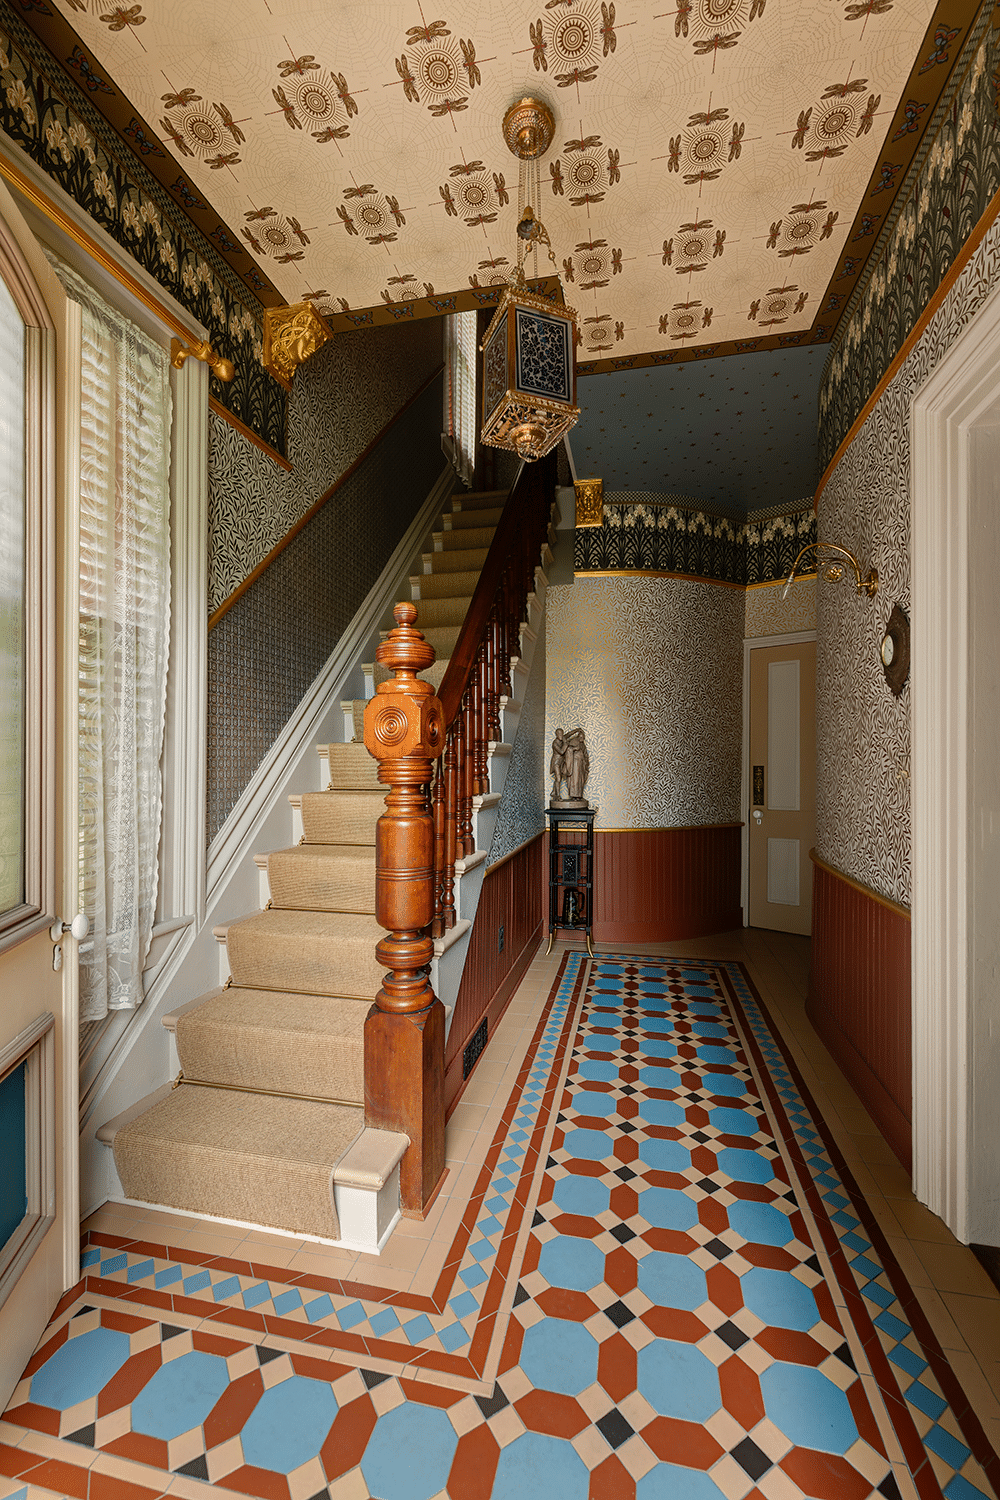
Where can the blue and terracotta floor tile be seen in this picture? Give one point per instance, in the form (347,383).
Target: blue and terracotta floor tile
(665,1284)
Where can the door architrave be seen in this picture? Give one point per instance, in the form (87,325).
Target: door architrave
(755,643)
(955,535)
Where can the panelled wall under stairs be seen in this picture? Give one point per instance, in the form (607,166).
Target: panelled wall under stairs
(859,997)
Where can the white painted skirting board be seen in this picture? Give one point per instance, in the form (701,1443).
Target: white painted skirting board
(375,1248)
(955,460)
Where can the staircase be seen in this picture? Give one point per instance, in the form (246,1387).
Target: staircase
(266,1125)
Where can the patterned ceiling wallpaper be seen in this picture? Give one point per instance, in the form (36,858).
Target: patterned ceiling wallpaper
(737,433)
(341,399)
(713,165)
(49,114)
(652,668)
(942,197)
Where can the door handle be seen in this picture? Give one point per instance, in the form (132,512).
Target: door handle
(78,928)
(758,816)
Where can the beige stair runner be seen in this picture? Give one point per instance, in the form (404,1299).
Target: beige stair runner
(278,1054)
(443,591)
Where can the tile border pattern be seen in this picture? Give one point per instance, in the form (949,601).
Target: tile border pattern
(942,1442)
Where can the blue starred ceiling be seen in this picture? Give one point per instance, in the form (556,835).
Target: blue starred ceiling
(736,433)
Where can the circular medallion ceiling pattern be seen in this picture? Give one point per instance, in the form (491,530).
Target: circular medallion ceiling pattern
(703,185)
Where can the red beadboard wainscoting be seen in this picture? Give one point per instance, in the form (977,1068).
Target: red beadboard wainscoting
(654,884)
(512,898)
(859,996)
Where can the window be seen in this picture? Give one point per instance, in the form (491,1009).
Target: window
(459,437)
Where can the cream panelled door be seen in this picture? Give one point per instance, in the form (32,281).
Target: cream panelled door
(39,1168)
(782,817)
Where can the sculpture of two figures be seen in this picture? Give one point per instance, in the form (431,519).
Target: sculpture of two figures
(569,763)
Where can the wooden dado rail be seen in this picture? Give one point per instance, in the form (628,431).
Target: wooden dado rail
(428,822)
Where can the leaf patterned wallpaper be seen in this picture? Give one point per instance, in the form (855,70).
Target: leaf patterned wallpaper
(652,668)
(863,822)
(521,814)
(340,401)
(768,614)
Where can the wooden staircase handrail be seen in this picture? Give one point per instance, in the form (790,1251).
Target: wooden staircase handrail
(433,754)
(542,475)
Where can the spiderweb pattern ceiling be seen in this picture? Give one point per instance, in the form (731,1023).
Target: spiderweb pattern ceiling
(716,165)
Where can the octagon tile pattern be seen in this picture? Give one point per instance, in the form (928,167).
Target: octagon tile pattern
(665,1284)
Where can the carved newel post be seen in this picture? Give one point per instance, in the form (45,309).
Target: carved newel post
(404,1031)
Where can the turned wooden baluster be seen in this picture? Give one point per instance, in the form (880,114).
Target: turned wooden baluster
(450,830)
(437,802)
(404,1030)
(465,768)
(494,727)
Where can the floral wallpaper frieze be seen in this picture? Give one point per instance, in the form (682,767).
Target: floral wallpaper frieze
(938,203)
(46,115)
(654,534)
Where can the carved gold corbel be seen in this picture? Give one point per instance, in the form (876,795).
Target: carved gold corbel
(202,349)
(291,334)
(589,502)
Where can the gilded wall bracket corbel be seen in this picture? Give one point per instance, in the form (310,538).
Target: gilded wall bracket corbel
(201,349)
(291,335)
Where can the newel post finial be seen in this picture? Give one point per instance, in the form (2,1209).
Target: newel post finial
(404,1031)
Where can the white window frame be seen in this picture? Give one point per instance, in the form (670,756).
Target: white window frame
(40,758)
(59,223)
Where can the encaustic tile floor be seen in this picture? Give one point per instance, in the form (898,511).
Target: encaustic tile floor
(675,1262)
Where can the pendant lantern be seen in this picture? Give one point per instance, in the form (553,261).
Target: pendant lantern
(529,352)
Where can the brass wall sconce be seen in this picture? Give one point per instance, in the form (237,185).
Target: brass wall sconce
(832,569)
(589,502)
(217,363)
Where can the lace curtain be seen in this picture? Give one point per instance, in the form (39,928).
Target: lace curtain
(124,632)
(459,437)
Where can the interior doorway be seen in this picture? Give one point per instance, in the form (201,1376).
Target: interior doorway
(955,469)
(780,780)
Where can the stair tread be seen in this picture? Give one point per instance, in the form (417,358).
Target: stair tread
(449,611)
(350,766)
(342,817)
(455,560)
(261,1130)
(445,585)
(316,952)
(488,516)
(323,877)
(460,539)
(280,1040)
(239,1156)
(476,499)
(305,924)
